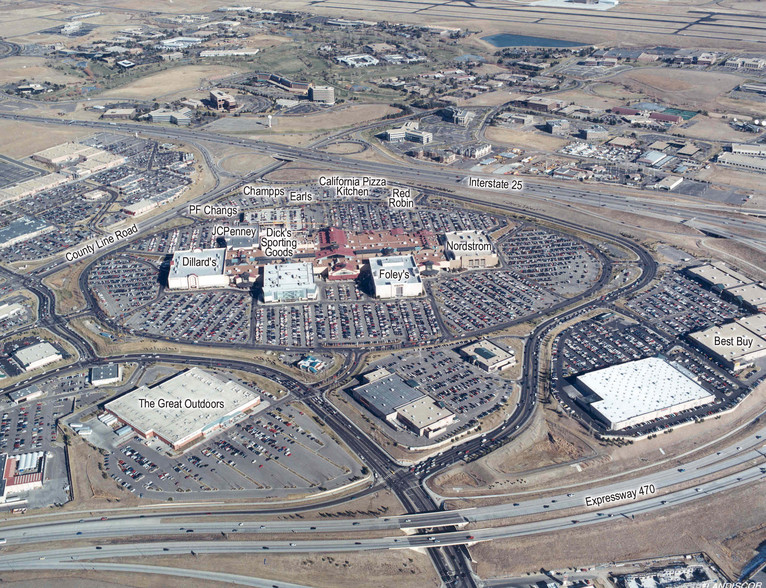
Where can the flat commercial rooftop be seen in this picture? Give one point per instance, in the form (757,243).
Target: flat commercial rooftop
(733,342)
(642,387)
(394,269)
(32,186)
(66,152)
(108,371)
(755,323)
(180,412)
(200,262)
(487,353)
(386,394)
(424,412)
(288,276)
(752,294)
(720,274)
(20,227)
(468,243)
(28,355)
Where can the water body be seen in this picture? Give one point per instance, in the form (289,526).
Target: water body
(508,40)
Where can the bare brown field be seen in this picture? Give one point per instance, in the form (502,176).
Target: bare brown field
(680,87)
(332,570)
(21,139)
(261,41)
(343,116)
(244,163)
(712,129)
(487,99)
(727,176)
(597,99)
(171,84)
(526,140)
(344,148)
(23,19)
(33,69)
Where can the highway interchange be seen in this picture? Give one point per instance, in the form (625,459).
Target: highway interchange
(448,548)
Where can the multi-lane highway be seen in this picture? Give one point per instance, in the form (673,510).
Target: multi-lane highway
(741,463)
(705,216)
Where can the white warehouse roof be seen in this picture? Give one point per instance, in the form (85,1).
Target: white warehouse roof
(188,405)
(648,388)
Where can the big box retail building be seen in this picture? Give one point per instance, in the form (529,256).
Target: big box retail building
(636,392)
(184,409)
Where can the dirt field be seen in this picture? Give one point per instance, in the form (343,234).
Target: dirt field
(596,99)
(679,87)
(487,99)
(344,148)
(704,525)
(22,139)
(721,174)
(244,163)
(541,445)
(714,129)
(171,84)
(338,117)
(23,19)
(334,570)
(261,41)
(33,69)
(525,140)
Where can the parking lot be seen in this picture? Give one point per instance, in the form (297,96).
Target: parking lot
(592,345)
(214,316)
(563,264)
(30,426)
(12,171)
(123,283)
(488,299)
(47,244)
(278,452)
(679,305)
(360,323)
(200,235)
(365,216)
